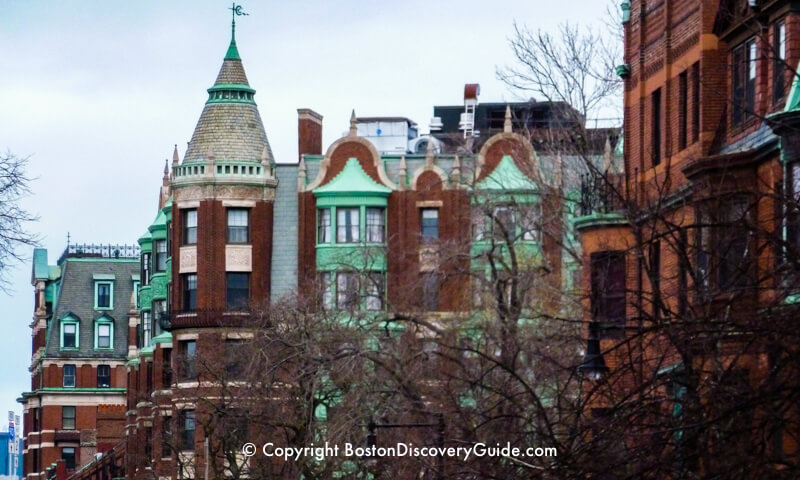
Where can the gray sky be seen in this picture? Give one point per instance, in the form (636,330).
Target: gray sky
(97,93)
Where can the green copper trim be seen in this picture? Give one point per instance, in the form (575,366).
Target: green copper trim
(793,100)
(352,180)
(352,257)
(231,93)
(78,390)
(506,176)
(600,220)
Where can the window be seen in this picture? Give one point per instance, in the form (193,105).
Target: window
(69,375)
(695,102)
(779,70)
(166,437)
(159,312)
(347,290)
(324,225)
(146,332)
(430,292)
(347,225)
(374,289)
(148,443)
(189,292)
(187,429)
(238,290)
(136,294)
(68,418)
(608,289)
(238,225)
(326,290)
(654,256)
(189,227)
(683,99)
(655,102)
(683,272)
(68,455)
(161,256)
(146,269)
(793,212)
(103,333)
(429,225)
(478,226)
(375,225)
(166,367)
(188,350)
(744,81)
(530,220)
(103,376)
(504,224)
(103,296)
(234,359)
(723,238)
(69,334)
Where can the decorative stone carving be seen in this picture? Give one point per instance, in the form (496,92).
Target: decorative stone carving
(428,259)
(238,258)
(188,260)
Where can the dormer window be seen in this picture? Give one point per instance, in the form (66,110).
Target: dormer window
(69,333)
(104,333)
(103,295)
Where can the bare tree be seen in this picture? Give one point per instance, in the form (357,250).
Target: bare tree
(14,220)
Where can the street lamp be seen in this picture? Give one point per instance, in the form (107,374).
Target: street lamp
(593,366)
(372,438)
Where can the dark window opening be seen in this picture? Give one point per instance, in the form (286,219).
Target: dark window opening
(161,255)
(166,367)
(695,102)
(68,455)
(655,101)
(103,376)
(744,81)
(608,290)
(779,70)
(187,426)
(190,292)
(238,290)
(187,352)
(683,99)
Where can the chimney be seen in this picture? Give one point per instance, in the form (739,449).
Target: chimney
(309,132)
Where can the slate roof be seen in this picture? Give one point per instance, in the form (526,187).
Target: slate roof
(76,296)
(232,130)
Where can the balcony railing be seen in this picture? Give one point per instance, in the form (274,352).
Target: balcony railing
(208,318)
(601,193)
(86,250)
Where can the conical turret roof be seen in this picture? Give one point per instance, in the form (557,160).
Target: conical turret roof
(230,124)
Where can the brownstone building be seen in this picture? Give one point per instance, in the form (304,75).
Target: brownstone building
(690,254)
(83,305)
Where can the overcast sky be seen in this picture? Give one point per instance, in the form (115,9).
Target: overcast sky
(96,93)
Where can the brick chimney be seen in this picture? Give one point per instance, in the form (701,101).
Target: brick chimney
(309,132)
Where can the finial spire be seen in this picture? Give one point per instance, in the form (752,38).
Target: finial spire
(175,158)
(429,153)
(353,128)
(507,123)
(233,52)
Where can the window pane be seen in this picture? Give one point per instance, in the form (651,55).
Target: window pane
(531,217)
(238,289)
(68,418)
(326,289)
(347,225)
(430,224)
(103,295)
(430,292)
(103,376)
(104,336)
(187,360)
(324,226)
(161,255)
(190,227)
(68,455)
(70,335)
(375,225)
(347,290)
(375,290)
(187,430)
(69,375)
(190,292)
(238,221)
